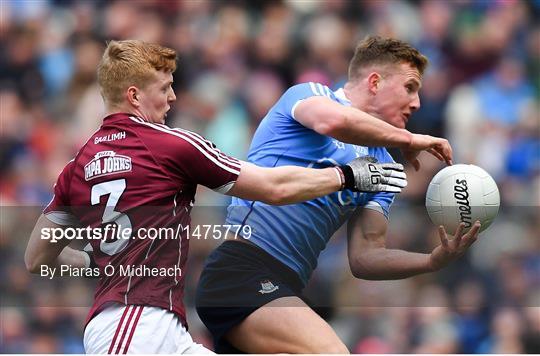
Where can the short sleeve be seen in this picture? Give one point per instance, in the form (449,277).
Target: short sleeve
(199,161)
(295,94)
(381,201)
(58,210)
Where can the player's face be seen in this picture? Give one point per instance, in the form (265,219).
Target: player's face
(156,97)
(396,95)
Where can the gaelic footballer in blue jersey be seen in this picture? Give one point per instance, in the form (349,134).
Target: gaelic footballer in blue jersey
(249,294)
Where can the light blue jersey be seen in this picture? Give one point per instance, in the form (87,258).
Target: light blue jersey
(296,234)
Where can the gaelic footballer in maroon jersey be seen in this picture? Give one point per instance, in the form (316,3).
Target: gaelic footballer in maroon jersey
(126,169)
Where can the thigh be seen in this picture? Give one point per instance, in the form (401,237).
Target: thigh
(285,325)
(235,282)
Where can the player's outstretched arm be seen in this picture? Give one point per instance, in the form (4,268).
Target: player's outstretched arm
(351,125)
(290,184)
(284,185)
(370,259)
(42,251)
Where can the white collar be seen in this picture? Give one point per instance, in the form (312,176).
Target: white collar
(340,94)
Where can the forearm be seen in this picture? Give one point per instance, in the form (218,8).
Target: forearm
(361,128)
(68,256)
(34,264)
(74,258)
(384,264)
(296,184)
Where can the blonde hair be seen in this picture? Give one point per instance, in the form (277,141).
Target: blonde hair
(131,62)
(379,50)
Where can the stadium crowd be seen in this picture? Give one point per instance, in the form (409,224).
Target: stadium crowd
(481,91)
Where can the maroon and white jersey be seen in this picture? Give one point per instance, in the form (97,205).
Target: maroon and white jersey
(135,176)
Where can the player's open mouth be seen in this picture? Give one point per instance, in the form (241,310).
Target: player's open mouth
(406,117)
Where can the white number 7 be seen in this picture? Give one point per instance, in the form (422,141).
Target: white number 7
(114,189)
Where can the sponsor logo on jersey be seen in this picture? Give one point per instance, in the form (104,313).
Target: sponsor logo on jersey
(268,287)
(339,145)
(111,137)
(105,163)
(360,151)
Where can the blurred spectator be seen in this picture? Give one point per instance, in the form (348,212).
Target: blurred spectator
(504,92)
(507,328)
(473,316)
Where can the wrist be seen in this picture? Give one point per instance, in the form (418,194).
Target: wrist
(406,139)
(432,264)
(340,177)
(348,177)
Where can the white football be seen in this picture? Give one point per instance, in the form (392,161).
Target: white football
(462,193)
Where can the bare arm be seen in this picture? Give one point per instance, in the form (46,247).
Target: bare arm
(368,256)
(370,259)
(284,185)
(41,251)
(348,124)
(351,125)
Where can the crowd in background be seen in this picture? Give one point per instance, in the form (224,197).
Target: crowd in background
(481,91)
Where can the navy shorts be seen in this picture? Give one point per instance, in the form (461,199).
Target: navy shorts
(237,279)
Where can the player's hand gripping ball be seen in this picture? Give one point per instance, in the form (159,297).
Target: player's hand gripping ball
(462,193)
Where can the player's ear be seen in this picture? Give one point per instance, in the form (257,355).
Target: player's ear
(374,80)
(133,96)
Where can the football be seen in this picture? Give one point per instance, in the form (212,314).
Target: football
(462,193)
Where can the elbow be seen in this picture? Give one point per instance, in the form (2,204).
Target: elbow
(360,273)
(278,195)
(364,274)
(361,270)
(331,126)
(32,265)
(32,262)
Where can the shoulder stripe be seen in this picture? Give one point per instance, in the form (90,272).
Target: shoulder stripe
(206,149)
(328,91)
(323,89)
(208,153)
(320,90)
(207,144)
(313,88)
(210,146)
(136,119)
